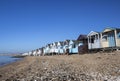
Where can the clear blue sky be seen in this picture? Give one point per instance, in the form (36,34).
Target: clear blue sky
(29,24)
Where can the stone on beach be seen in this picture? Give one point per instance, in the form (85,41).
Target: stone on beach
(88,67)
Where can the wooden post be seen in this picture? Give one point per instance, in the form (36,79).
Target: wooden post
(115,32)
(88,42)
(101,40)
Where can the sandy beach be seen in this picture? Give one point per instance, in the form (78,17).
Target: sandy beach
(87,67)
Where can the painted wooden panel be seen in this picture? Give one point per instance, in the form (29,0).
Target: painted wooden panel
(111,40)
(44,51)
(118,39)
(38,52)
(73,46)
(34,53)
(73,50)
(118,42)
(96,44)
(105,44)
(56,50)
(80,44)
(30,53)
(118,35)
(60,51)
(107,30)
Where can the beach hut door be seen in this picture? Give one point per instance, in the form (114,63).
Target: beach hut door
(111,40)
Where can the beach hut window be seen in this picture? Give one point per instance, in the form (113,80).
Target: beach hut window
(118,35)
(92,40)
(74,46)
(104,38)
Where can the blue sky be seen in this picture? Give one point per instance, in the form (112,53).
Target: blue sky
(29,24)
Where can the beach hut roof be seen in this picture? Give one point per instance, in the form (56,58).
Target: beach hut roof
(81,37)
(92,33)
(66,42)
(107,29)
(61,42)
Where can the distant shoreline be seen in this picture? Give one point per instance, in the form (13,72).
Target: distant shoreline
(5,60)
(18,56)
(9,54)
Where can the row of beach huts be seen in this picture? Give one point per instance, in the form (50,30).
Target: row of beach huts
(107,40)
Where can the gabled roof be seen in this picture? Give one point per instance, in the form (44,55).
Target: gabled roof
(48,45)
(55,43)
(72,41)
(66,42)
(92,33)
(109,29)
(61,42)
(81,37)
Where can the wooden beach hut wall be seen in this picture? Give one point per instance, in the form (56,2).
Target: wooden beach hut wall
(83,45)
(39,52)
(94,40)
(51,48)
(45,52)
(46,49)
(60,47)
(110,37)
(73,46)
(34,53)
(66,46)
(42,51)
(25,54)
(30,53)
(118,37)
(83,39)
(55,51)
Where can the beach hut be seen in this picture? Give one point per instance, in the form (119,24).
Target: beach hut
(46,49)
(55,48)
(66,46)
(110,37)
(38,52)
(60,47)
(83,44)
(83,39)
(51,49)
(34,53)
(25,54)
(30,53)
(73,46)
(94,40)
(42,51)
